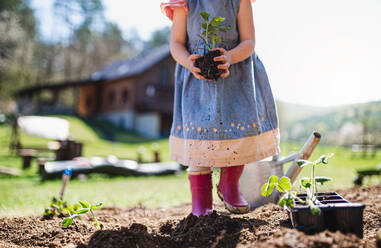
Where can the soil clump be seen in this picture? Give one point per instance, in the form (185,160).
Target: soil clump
(208,66)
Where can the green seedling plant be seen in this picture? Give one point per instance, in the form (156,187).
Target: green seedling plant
(60,208)
(283,185)
(85,208)
(211,29)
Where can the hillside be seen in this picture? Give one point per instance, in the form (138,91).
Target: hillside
(292,111)
(343,125)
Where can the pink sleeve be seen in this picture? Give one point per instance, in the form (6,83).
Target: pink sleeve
(169,6)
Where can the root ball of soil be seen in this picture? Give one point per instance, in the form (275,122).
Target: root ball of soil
(208,66)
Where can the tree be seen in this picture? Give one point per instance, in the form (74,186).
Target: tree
(87,42)
(159,37)
(18,31)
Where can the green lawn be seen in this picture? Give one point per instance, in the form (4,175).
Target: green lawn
(27,195)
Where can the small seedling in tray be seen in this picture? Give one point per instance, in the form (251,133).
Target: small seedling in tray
(312,211)
(283,185)
(210,37)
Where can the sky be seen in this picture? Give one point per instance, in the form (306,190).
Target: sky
(319,53)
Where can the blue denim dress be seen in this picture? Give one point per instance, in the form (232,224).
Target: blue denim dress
(227,122)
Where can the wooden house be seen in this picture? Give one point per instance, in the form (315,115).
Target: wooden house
(135,93)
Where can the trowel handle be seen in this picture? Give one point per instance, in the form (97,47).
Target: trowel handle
(65,178)
(304,153)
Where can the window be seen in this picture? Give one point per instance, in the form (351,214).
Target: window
(111,98)
(125,96)
(150,90)
(164,75)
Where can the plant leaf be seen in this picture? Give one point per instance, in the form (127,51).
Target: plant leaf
(302,162)
(284,184)
(84,204)
(287,200)
(290,203)
(267,190)
(77,206)
(273,180)
(216,21)
(47,212)
(96,224)
(59,203)
(204,25)
(82,211)
(282,202)
(224,28)
(306,182)
(212,30)
(96,206)
(324,158)
(67,222)
(205,16)
(322,180)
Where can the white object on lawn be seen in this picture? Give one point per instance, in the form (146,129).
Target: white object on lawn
(47,127)
(86,163)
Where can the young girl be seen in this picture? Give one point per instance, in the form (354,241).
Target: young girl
(224,123)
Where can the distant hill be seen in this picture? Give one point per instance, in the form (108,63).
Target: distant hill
(295,111)
(343,125)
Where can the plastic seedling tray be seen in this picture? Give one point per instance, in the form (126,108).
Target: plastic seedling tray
(337,214)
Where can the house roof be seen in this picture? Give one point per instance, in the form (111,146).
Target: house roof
(131,67)
(120,69)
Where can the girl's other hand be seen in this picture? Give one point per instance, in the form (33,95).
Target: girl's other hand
(225,58)
(193,69)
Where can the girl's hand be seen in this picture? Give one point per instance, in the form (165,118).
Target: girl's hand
(226,60)
(192,68)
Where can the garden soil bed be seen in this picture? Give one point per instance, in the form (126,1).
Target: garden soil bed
(267,226)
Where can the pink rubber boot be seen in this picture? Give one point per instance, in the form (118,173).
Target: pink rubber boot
(201,188)
(228,190)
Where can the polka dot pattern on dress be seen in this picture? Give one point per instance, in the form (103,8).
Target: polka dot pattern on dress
(233,128)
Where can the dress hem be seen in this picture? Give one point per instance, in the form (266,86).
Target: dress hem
(224,153)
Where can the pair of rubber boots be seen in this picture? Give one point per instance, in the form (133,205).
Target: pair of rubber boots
(227,190)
